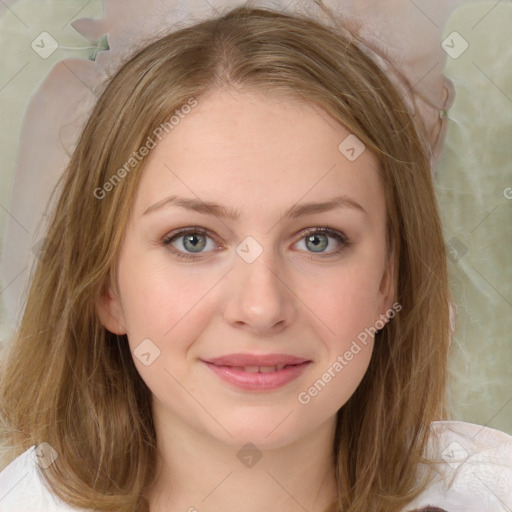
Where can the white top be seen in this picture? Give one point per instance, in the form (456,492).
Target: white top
(476,475)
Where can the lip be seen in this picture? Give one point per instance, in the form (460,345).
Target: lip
(228,369)
(256,360)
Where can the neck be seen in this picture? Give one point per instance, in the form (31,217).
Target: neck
(197,473)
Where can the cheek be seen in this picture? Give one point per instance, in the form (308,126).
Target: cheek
(347,301)
(166,312)
(160,302)
(344,313)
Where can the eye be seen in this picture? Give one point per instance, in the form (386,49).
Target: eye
(188,239)
(191,243)
(316,241)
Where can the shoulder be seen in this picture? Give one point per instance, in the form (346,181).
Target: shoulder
(474,470)
(23,489)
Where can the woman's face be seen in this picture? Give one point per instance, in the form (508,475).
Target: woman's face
(254,275)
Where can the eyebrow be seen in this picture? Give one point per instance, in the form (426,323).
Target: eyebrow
(211,208)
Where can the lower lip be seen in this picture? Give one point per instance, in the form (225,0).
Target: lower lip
(258,381)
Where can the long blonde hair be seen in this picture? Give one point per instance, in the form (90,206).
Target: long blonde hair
(69,382)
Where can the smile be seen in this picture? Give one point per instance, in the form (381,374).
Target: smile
(258,378)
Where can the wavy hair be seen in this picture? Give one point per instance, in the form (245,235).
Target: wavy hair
(68,381)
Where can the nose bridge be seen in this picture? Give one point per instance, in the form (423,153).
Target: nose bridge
(258,298)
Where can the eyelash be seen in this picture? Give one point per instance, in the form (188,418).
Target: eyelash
(340,237)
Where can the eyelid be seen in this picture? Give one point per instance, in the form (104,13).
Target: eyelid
(325,230)
(184,231)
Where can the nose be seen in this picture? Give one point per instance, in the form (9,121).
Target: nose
(259,300)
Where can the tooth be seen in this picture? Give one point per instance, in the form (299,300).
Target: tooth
(280,366)
(250,369)
(267,369)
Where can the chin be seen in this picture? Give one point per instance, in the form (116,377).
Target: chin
(267,432)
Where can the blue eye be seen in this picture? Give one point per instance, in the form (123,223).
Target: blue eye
(193,241)
(317,239)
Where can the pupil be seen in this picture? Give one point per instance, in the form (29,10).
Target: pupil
(195,241)
(318,244)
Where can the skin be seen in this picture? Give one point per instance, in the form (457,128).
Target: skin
(259,154)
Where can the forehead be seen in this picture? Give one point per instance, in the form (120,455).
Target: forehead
(251,150)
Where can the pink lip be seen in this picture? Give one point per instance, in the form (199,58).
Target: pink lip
(255,381)
(255,360)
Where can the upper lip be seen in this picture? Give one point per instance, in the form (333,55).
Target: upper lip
(256,360)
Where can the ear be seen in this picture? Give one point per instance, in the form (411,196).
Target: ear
(110,311)
(387,284)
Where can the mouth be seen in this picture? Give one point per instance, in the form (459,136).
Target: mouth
(258,378)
